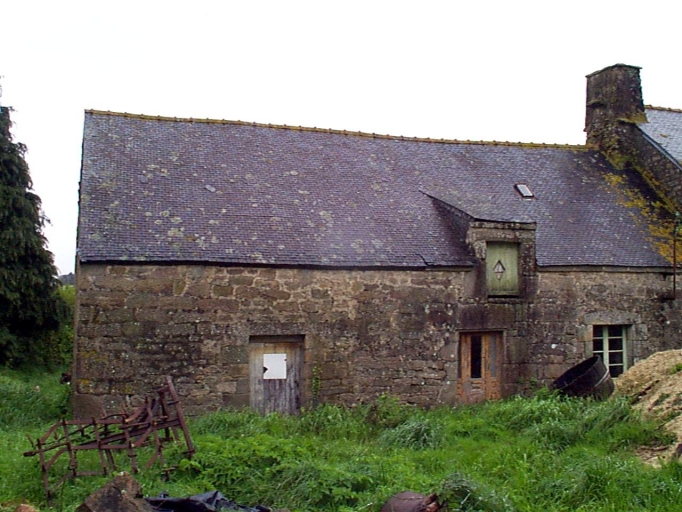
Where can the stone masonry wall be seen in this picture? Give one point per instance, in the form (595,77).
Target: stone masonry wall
(366,332)
(568,304)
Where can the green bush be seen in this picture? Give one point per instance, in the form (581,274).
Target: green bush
(415,433)
(387,412)
(320,485)
(49,348)
(334,422)
(461,493)
(59,344)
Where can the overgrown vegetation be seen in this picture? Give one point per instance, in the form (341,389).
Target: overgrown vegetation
(31,308)
(523,454)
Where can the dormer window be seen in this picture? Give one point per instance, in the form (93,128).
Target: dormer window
(524,191)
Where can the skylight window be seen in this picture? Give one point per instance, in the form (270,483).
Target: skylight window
(524,191)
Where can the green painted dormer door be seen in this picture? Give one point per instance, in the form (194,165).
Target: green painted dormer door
(502,269)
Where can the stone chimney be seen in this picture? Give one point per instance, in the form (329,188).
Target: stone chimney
(614,106)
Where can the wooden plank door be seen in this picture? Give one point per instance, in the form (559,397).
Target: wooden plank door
(480,364)
(275,364)
(502,269)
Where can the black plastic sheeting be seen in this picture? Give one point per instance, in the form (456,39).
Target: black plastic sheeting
(206,502)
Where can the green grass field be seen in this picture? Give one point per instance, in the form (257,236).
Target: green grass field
(522,454)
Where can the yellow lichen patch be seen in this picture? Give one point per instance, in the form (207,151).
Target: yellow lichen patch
(614,179)
(660,226)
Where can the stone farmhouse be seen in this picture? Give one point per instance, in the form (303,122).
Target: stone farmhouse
(278,267)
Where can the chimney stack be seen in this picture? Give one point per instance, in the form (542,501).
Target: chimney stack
(614,104)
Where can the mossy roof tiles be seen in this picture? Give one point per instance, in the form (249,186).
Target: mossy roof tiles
(155,189)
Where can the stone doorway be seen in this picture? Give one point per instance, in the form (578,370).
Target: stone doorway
(276,369)
(479,367)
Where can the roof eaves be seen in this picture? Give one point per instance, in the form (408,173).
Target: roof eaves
(431,265)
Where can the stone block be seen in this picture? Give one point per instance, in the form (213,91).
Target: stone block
(119,315)
(103,300)
(243,386)
(320,294)
(274,294)
(267,273)
(133,329)
(151,315)
(222,291)
(246,293)
(198,289)
(142,300)
(164,273)
(179,286)
(116,283)
(236,400)
(160,286)
(241,280)
(122,494)
(110,330)
(235,354)
(86,406)
(286,307)
(236,371)
(227,387)
(177,302)
(86,314)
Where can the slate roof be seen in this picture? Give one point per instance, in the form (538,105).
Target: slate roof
(157,189)
(665,127)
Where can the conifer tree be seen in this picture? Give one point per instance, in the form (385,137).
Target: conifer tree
(29,303)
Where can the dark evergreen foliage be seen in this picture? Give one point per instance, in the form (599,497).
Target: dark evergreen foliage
(30,307)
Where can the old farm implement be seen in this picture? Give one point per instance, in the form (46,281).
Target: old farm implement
(154,424)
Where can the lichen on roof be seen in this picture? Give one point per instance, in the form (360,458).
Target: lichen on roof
(651,211)
(246,193)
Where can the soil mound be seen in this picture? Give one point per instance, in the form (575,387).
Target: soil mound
(654,385)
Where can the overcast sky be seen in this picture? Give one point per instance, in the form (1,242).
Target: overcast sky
(478,70)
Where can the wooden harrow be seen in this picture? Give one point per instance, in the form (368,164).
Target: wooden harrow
(158,421)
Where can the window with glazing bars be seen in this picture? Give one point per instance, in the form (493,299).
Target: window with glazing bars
(608,342)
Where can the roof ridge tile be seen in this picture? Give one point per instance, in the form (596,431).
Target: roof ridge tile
(580,147)
(665,109)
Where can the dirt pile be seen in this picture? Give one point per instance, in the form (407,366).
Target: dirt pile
(655,387)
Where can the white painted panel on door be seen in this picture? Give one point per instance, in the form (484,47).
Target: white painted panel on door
(274,366)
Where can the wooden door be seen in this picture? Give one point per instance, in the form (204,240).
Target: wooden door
(480,364)
(502,269)
(275,364)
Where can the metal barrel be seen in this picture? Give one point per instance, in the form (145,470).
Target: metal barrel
(590,378)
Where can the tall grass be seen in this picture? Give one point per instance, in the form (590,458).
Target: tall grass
(28,399)
(522,454)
